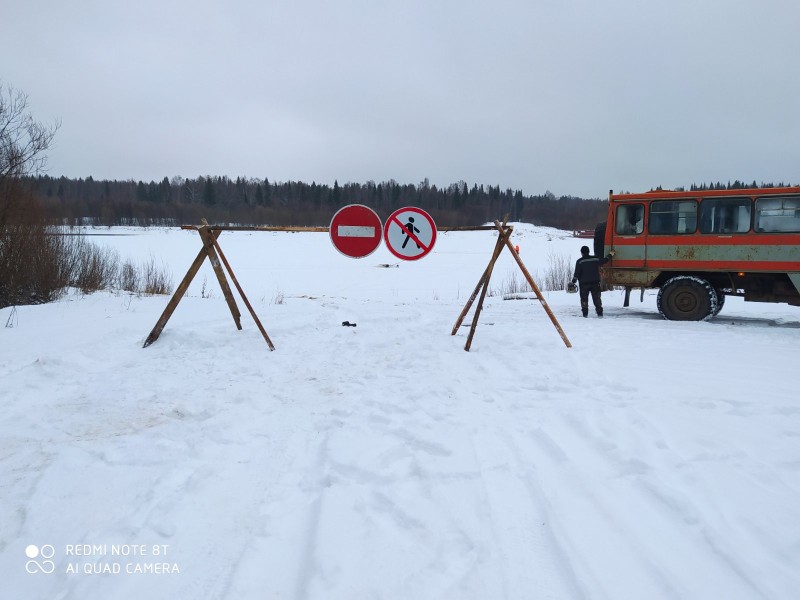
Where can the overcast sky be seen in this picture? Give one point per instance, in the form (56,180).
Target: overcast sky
(572,96)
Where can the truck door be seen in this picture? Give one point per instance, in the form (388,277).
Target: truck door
(630,239)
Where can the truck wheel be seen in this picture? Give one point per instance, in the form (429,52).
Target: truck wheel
(687,298)
(720,302)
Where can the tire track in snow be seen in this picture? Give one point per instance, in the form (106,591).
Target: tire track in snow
(537,564)
(590,518)
(624,495)
(308,564)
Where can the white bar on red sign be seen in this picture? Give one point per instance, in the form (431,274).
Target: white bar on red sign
(355,231)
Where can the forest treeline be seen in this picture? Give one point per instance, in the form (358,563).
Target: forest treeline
(243,201)
(735,185)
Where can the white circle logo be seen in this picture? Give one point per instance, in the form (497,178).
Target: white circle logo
(46,552)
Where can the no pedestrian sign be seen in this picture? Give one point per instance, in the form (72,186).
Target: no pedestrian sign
(409,233)
(356,230)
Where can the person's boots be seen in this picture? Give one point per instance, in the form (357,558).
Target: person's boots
(585,312)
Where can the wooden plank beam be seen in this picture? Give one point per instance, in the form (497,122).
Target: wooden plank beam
(293,229)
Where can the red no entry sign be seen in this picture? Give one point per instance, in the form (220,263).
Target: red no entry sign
(409,233)
(356,230)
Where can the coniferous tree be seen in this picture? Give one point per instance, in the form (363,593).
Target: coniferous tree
(267,192)
(209,194)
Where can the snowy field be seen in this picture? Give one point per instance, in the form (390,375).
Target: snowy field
(653,460)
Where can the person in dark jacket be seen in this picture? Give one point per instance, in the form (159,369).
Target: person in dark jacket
(587,274)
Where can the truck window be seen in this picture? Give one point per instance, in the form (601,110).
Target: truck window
(630,219)
(672,217)
(781,214)
(725,215)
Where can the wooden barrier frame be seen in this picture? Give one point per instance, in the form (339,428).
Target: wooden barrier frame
(503,241)
(213,251)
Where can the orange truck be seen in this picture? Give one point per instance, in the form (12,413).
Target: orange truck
(698,247)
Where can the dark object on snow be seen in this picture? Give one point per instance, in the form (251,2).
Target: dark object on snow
(348,324)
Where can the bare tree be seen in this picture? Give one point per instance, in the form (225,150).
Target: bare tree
(23,146)
(23,140)
(32,264)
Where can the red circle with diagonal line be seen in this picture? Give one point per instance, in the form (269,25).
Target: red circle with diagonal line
(409,233)
(356,230)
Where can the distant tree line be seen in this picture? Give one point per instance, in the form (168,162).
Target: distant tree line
(250,201)
(179,201)
(736,185)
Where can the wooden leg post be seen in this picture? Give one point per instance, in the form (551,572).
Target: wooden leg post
(497,249)
(208,241)
(482,287)
(479,307)
(176,297)
(535,288)
(241,293)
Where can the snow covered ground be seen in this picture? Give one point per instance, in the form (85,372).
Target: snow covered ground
(652,460)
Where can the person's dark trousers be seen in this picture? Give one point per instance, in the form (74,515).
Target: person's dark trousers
(594,290)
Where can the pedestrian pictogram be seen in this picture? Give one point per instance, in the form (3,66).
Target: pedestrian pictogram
(409,233)
(411,229)
(356,231)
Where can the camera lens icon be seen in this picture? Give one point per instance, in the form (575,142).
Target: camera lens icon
(45,553)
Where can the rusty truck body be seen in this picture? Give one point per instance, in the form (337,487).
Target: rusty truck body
(698,247)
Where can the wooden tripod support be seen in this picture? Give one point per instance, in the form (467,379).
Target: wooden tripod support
(211,250)
(483,285)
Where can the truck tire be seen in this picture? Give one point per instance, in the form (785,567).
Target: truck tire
(687,298)
(720,302)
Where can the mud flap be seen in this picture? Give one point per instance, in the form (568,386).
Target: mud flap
(795,278)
